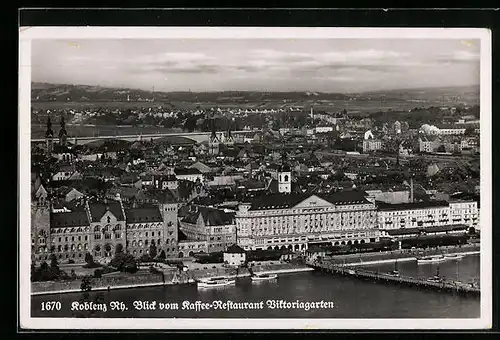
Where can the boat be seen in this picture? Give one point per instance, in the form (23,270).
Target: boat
(454,256)
(431,259)
(216,282)
(262,277)
(435,278)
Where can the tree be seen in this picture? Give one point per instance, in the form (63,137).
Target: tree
(152,250)
(86,285)
(119,248)
(124,262)
(89,259)
(162,255)
(54,265)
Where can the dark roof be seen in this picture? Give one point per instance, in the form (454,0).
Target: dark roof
(441,228)
(408,206)
(98,209)
(235,249)
(282,201)
(69,219)
(145,214)
(128,192)
(211,216)
(158,196)
(404,231)
(187,171)
(434,229)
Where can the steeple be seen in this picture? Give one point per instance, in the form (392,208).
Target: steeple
(63,134)
(214,135)
(284,175)
(49,135)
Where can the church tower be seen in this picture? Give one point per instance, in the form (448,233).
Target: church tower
(213,142)
(49,137)
(63,134)
(229,139)
(284,176)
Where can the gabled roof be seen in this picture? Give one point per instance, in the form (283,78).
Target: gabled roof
(143,215)
(283,201)
(211,216)
(69,219)
(235,249)
(98,209)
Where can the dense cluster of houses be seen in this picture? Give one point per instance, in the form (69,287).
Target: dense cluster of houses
(258,189)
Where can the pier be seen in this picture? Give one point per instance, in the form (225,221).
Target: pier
(444,285)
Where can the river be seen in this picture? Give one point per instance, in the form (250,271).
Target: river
(351,297)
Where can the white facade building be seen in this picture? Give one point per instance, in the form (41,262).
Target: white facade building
(427,214)
(294,221)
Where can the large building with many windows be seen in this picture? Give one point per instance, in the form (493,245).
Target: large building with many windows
(427,214)
(100,227)
(214,226)
(294,221)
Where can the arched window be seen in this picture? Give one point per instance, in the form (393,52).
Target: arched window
(134,243)
(158,242)
(97,228)
(79,247)
(286,178)
(66,247)
(73,247)
(85,246)
(59,248)
(146,243)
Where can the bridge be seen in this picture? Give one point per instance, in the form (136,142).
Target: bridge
(194,136)
(441,285)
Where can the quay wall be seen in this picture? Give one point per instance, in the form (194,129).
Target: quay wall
(111,282)
(280,268)
(398,255)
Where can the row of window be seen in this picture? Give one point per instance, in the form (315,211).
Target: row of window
(66,247)
(145,243)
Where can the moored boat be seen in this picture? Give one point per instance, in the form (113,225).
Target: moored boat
(454,256)
(431,259)
(264,277)
(216,282)
(435,278)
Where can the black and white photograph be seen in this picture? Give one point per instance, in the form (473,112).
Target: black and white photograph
(199,178)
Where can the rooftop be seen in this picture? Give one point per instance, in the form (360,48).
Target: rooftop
(283,201)
(143,215)
(98,209)
(69,219)
(411,206)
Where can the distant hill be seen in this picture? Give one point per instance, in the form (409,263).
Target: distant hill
(464,93)
(43,92)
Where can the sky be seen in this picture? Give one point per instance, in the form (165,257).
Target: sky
(199,65)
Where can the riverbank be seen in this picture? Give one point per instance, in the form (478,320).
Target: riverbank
(166,278)
(280,268)
(363,259)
